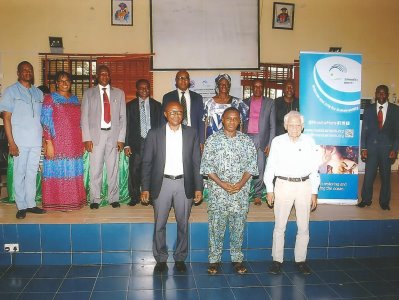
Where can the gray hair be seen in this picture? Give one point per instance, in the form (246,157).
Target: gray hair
(293,114)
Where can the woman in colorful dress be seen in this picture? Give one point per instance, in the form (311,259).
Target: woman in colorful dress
(215,106)
(62,184)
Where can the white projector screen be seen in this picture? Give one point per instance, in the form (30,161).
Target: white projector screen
(203,34)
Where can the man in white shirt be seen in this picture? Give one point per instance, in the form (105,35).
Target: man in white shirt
(293,166)
(171,177)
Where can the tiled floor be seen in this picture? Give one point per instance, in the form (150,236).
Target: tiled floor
(331,279)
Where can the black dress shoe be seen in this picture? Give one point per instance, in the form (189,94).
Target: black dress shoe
(385,207)
(115,204)
(21,214)
(275,268)
(36,210)
(363,204)
(160,267)
(133,203)
(303,268)
(94,206)
(180,266)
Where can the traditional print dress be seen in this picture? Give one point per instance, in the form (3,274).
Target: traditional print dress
(62,184)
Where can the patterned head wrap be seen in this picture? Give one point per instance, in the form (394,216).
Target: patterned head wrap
(220,77)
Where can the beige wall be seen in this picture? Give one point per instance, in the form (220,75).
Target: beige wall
(369,27)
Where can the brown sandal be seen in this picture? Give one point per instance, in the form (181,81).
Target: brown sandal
(258,201)
(239,268)
(213,268)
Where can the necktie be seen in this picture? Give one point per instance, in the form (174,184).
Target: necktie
(143,121)
(380,118)
(107,107)
(184,104)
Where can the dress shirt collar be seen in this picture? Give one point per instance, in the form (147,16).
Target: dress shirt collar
(170,129)
(186,92)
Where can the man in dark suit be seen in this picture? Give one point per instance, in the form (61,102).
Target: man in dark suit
(143,114)
(193,106)
(171,177)
(379,146)
(261,127)
(103,122)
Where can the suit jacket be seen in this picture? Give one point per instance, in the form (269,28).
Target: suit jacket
(133,128)
(388,136)
(196,111)
(153,164)
(91,115)
(267,121)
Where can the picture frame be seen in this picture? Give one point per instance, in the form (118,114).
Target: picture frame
(283,15)
(122,12)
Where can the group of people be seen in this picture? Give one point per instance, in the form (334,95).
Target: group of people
(172,147)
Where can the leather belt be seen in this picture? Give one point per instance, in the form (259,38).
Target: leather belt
(173,177)
(106,129)
(294,179)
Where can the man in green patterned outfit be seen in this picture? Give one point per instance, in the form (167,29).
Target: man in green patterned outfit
(229,159)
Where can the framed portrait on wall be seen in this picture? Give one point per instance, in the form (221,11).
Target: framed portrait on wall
(122,12)
(283,15)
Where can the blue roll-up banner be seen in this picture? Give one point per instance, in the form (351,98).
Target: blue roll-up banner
(330,93)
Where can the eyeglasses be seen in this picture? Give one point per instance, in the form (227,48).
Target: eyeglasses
(183,78)
(64,81)
(175,113)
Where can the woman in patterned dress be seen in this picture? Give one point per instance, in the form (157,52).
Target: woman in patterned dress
(62,185)
(215,106)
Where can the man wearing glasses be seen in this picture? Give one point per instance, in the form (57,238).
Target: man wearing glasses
(171,177)
(193,107)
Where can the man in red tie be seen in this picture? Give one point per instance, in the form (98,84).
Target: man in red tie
(104,128)
(379,146)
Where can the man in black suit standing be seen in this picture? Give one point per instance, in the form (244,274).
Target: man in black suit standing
(193,106)
(379,146)
(143,114)
(171,177)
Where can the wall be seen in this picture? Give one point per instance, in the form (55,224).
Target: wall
(362,26)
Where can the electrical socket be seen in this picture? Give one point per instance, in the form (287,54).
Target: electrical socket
(11,248)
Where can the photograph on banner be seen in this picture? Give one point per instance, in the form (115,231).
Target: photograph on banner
(330,93)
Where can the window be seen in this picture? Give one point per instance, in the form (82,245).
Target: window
(125,71)
(274,76)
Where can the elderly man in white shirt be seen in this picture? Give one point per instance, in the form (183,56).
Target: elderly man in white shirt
(293,164)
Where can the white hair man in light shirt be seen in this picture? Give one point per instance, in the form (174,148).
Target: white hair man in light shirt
(293,164)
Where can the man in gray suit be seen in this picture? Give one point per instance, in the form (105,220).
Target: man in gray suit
(104,128)
(261,127)
(171,176)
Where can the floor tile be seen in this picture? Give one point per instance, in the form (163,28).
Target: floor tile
(77,285)
(143,270)
(145,283)
(172,270)
(389,274)
(12,285)
(114,295)
(36,296)
(83,271)
(8,296)
(318,291)
(257,293)
(144,295)
(349,264)
(199,268)
(181,294)
(21,272)
(322,265)
(73,295)
(334,276)
(362,276)
(258,267)
(43,285)
(285,292)
(52,271)
(350,290)
(115,270)
(245,280)
(178,282)
(216,294)
(111,284)
(300,279)
(380,288)
(211,281)
(274,280)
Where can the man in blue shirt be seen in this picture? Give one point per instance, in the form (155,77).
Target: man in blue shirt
(20,107)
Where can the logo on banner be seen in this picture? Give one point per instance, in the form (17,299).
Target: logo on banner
(337,83)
